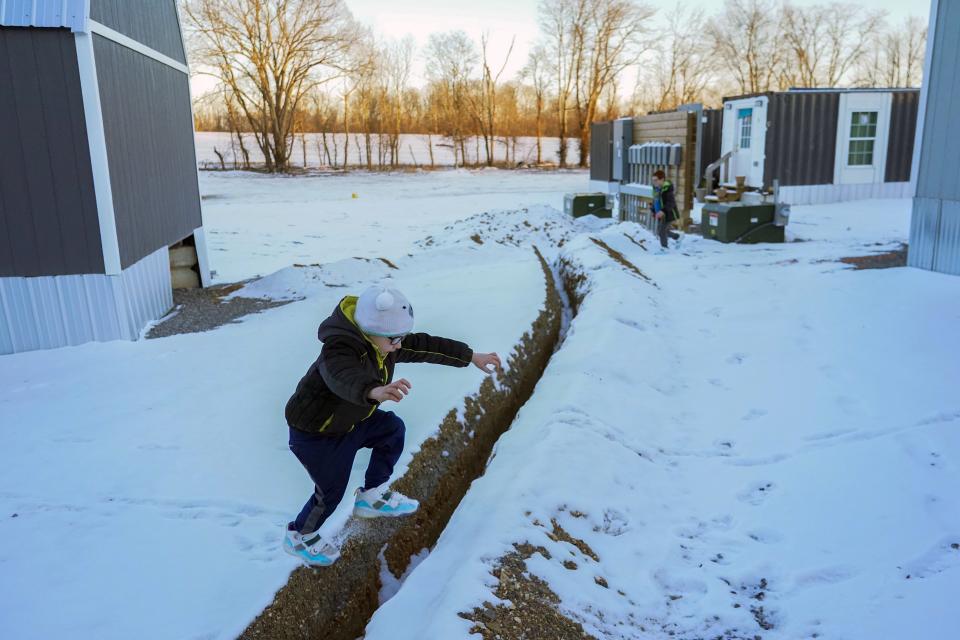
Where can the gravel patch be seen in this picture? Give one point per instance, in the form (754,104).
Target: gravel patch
(885,260)
(197,310)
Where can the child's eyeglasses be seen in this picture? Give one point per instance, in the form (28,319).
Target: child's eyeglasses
(395,340)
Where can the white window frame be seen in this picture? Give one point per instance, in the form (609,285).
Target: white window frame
(872,139)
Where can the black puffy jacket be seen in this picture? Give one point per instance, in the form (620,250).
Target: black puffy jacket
(332,396)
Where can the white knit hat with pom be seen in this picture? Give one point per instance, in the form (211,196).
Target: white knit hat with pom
(382,311)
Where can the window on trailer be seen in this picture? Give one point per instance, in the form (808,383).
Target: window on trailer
(745,116)
(863,134)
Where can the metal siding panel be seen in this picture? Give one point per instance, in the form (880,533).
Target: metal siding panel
(44,13)
(947,255)
(150,22)
(939,153)
(149,132)
(923,232)
(801,138)
(46,301)
(77,322)
(601,151)
(710,140)
(23,325)
(54,311)
(65,175)
(48,205)
(147,290)
(6,338)
(903,123)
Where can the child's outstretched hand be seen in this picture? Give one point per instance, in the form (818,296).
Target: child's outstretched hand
(393,391)
(484,360)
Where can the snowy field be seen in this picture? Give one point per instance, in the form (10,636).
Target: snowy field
(257,224)
(414,150)
(764,427)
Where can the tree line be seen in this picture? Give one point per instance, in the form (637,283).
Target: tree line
(284,68)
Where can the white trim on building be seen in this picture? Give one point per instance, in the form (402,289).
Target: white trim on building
(875,109)
(93,115)
(139,47)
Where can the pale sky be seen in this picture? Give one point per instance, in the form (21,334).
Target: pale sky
(505,19)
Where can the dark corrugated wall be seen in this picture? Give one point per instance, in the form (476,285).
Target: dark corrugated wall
(711,139)
(152,22)
(149,132)
(903,127)
(601,151)
(48,209)
(801,138)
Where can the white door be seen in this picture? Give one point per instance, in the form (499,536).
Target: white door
(744,133)
(862,127)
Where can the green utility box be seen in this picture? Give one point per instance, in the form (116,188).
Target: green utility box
(582,204)
(733,222)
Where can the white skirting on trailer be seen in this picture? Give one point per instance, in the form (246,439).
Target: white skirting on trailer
(58,311)
(827,193)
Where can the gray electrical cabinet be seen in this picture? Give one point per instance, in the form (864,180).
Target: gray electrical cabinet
(622,139)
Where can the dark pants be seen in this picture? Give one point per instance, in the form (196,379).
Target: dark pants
(663,230)
(329,460)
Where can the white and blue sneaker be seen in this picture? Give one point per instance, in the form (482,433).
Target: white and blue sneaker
(380,502)
(312,548)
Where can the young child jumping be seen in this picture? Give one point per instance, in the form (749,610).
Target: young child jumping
(335,411)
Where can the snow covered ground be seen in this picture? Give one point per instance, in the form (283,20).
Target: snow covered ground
(765,419)
(144,486)
(257,224)
(764,445)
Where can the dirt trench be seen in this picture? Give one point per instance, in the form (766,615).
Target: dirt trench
(337,602)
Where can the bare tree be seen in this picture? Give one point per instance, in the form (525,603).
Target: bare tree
(895,56)
(536,70)
(267,53)
(451,58)
(397,63)
(610,39)
(824,42)
(681,70)
(484,100)
(745,38)
(561,24)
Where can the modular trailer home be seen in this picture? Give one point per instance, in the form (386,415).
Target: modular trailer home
(98,174)
(935,225)
(822,145)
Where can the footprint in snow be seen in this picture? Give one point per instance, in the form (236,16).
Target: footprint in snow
(753,414)
(764,536)
(944,555)
(756,493)
(737,358)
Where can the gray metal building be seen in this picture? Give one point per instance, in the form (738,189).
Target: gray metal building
(822,145)
(935,225)
(97,169)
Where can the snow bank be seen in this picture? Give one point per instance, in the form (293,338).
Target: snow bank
(146,479)
(765,445)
